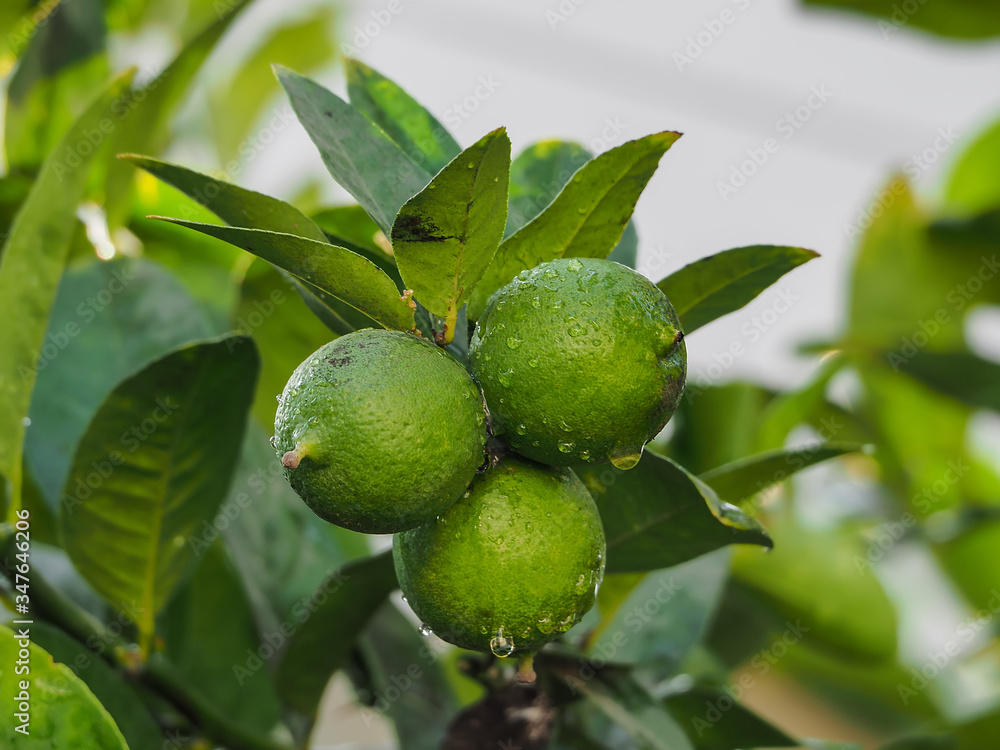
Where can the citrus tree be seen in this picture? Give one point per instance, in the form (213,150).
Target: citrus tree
(213,397)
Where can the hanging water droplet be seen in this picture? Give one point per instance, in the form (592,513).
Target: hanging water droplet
(626,461)
(501,645)
(504,377)
(545,625)
(513,342)
(278,398)
(566,447)
(274,441)
(521,429)
(574,265)
(425,629)
(567,622)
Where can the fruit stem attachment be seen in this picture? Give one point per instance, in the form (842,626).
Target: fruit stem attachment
(526,669)
(450,322)
(293,458)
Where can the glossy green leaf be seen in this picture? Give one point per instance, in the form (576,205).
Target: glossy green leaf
(963,375)
(30,267)
(719,284)
(974,184)
(819,582)
(657,515)
(210,636)
(357,152)
(152,467)
(627,704)
(445,236)
(335,270)
(392,651)
(63,712)
(119,699)
(322,644)
(586,218)
(282,550)
(731,728)
(536,177)
(144,114)
(109,320)
(742,480)
(405,121)
(236,206)
(663,617)
(64,61)
(937,742)
(351,227)
(626,251)
(960,19)
(239,103)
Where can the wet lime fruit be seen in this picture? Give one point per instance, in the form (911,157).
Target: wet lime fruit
(581,361)
(380,431)
(511,565)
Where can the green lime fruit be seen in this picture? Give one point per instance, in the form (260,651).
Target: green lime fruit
(380,431)
(511,565)
(581,360)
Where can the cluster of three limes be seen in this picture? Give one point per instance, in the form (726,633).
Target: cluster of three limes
(575,361)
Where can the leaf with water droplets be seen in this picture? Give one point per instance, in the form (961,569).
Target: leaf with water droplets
(657,515)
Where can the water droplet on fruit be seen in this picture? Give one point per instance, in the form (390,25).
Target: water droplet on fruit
(550,274)
(582,584)
(567,622)
(425,629)
(513,342)
(545,625)
(521,429)
(584,455)
(564,427)
(626,461)
(566,447)
(274,441)
(574,265)
(577,330)
(504,377)
(278,398)
(557,305)
(535,302)
(499,541)
(501,645)
(472,165)
(532,363)
(581,210)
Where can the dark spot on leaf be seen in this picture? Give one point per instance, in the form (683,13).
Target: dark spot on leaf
(417,228)
(328,113)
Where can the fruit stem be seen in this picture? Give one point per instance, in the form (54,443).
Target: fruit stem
(450,322)
(526,669)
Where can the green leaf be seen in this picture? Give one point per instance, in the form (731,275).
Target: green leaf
(716,722)
(423,712)
(236,206)
(91,346)
(974,184)
(30,267)
(153,466)
(322,644)
(64,713)
(818,581)
(404,120)
(357,152)
(626,251)
(109,687)
(144,115)
(210,636)
(351,227)
(586,219)
(663,617)
(282,550)
(272,312)
(627,704)
(536,177)
(936,742)
(239,102)
(742,480)
(723,283)
(445,236)
(335,270)
(657,515)
(963,375)
(961,19)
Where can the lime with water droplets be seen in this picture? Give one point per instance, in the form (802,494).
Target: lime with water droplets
(509,567)
(380,431)
(598,369)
